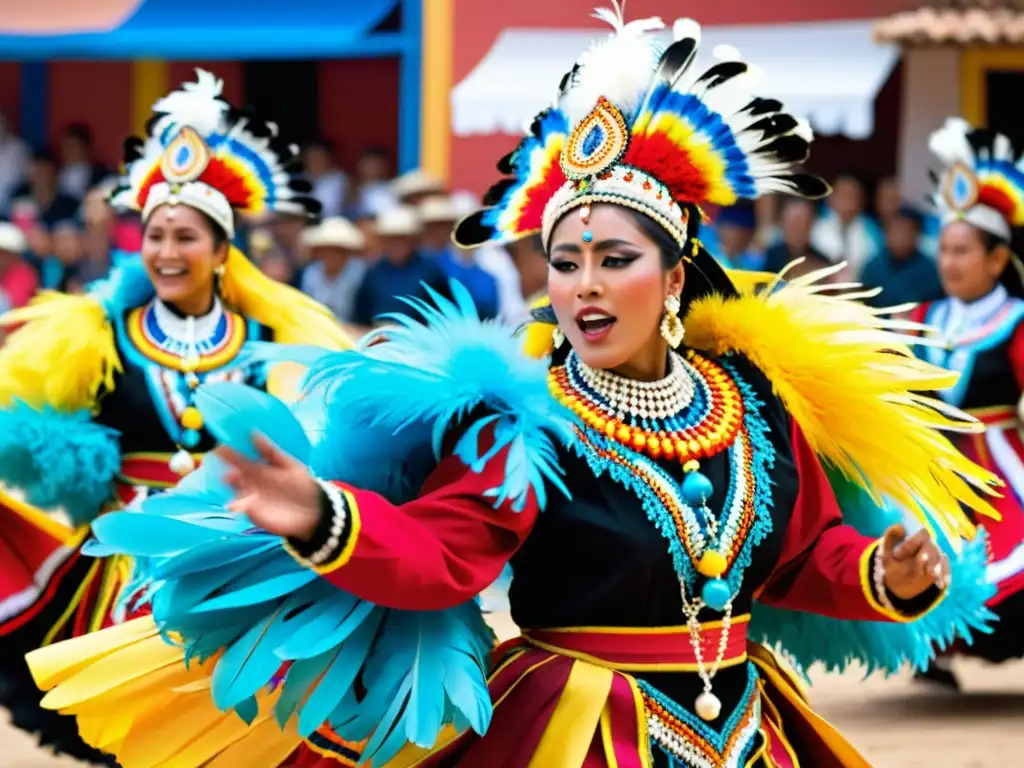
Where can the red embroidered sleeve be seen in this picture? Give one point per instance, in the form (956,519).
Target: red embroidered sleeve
(433,553)
(826,566)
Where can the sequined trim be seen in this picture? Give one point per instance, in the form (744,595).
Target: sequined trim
(693,743)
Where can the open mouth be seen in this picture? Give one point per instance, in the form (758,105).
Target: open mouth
(171,271)
(595,325)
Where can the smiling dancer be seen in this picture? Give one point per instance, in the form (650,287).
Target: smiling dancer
(664,484)
(97,391)
(980,334)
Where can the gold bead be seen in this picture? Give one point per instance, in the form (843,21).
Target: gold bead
(623,434)
(639,441)
(691,466)
(712,565)
(191,418)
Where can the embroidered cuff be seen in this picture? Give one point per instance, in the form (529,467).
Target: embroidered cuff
(872,581)
(334,539)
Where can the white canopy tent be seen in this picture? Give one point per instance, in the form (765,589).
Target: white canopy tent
(828,72)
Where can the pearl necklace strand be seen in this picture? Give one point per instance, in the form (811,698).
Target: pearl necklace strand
(627,397)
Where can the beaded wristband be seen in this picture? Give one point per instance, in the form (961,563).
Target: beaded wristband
(340,515)
(878,577)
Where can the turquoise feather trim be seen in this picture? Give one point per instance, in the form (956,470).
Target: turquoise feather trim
(58,459)
(882,646)
(375,418)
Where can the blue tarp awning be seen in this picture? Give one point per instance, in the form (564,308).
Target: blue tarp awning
(225,29)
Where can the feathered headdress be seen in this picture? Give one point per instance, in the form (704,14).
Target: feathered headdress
(639,127)
(204,153)
(983,182)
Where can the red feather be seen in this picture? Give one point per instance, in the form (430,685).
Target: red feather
(994,197)
(531,216)
(222,178)
(660,157)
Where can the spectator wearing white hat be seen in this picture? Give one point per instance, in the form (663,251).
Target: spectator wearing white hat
(18,281)
(402,270)
(413,187)
(337,267)
(439,214)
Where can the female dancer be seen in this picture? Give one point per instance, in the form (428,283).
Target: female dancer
(980,330)
(97,391)
(659,486)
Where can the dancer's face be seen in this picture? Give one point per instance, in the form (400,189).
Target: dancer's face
(181,253)
(608,286)
(968,267)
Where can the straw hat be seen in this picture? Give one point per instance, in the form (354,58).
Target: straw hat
(417,182)
(334,231)
(11,238)
(402,221)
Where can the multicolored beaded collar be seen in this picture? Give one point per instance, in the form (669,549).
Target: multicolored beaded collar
(214,340)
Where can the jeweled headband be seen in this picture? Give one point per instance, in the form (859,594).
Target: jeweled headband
(202,153)
(639,126)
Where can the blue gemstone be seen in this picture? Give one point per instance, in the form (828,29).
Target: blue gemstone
(716,594)
(588,236)
(697,489)
(183,155)
(190,438)
(593,140)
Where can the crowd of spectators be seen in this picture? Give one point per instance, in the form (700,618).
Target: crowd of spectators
(382,237)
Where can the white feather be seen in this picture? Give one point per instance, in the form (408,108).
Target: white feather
(726,53)
(684,28)
(618,68)
(197,105)
(949,143)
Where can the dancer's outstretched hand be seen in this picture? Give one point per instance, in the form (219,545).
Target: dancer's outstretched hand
(913,564)
(276,492)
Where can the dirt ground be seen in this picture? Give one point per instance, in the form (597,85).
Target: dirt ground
(896,723)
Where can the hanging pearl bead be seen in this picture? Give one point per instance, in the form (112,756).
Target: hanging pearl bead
(708,706)
(192,380)
(182,463)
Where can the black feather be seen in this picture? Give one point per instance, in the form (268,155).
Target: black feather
(773,125)
(506,166)
(497,191)
(761,106)
(722,72)
(787,149)
(673,64)
(808,185)
(471,231)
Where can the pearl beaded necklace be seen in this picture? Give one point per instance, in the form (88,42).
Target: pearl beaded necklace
(630,398)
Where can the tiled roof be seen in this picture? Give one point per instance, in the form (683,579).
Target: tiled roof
(956,22)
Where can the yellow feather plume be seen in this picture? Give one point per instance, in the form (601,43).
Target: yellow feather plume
(294,317)
(62,355)
(847,376)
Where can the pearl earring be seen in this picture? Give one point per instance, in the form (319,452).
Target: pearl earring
(671,327)
(557,337)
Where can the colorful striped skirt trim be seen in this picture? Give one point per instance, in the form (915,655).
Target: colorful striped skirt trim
(571,707)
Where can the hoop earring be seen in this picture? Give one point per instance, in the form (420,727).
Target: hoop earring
(671,327)
(557,337)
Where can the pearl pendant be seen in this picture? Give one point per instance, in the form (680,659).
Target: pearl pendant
(708,706)
(182,463)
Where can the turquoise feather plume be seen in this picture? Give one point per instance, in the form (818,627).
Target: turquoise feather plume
(58,459)
(377,419)
(882,646)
